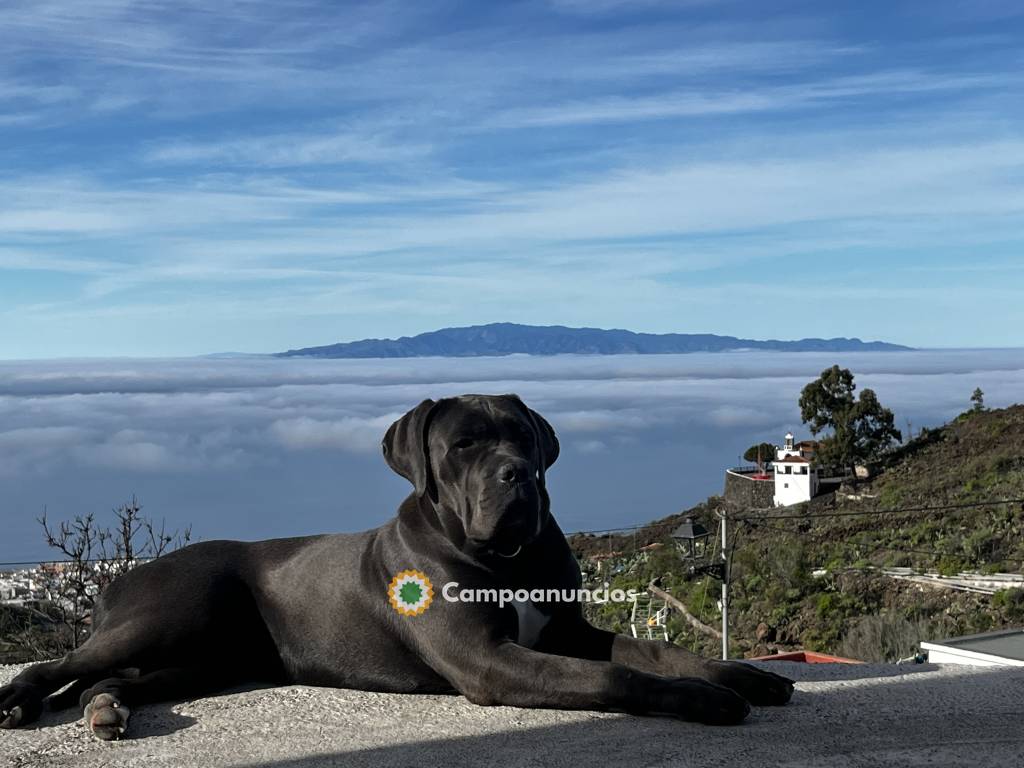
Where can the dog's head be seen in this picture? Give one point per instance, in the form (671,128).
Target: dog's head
(481,458)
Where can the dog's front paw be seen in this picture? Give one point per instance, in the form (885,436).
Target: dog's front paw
(106,717)
(702,702)
(20,703)
(759,687)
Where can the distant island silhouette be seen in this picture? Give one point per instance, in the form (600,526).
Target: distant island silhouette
(500,339)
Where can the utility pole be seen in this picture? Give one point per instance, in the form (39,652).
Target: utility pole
(694,542)
(725,586)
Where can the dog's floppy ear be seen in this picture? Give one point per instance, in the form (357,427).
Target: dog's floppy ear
(546,438)
(406,450)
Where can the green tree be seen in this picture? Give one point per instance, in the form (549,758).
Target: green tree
(761,453)
(977,400)
(861,427)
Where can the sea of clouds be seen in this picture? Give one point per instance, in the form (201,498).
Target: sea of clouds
(256,447)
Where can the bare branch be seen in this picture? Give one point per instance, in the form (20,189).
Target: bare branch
(94,556)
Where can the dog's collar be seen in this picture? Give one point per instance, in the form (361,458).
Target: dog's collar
(509,557)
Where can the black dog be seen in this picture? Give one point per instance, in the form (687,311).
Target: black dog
(313,610)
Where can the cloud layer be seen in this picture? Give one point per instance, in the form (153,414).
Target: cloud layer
(249,448)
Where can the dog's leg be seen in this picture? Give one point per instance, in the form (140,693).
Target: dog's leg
(509,674)
(107,649)
(106,704)
(758,686)
(70,695)
(21,701)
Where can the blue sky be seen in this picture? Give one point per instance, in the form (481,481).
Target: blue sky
(182,177)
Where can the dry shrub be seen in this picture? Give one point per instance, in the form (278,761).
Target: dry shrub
(885,637)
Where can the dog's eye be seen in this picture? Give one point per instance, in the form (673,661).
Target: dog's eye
(464,442)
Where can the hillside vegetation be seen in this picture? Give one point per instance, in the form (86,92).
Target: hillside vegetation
(852,610)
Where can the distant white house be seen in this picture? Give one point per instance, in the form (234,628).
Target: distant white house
(796,473)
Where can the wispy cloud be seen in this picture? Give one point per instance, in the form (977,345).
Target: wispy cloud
(328,171)
(699,103)
(316,252)
(642,201)
(609,6)
(347,433)
(13,91)
(329,148)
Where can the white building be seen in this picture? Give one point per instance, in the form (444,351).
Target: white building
(1002,648)
(796,474)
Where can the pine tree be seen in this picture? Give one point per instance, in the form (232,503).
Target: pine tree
(977,400)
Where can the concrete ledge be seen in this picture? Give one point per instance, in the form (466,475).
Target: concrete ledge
(848,715)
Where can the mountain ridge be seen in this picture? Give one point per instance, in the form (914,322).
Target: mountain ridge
(503,339)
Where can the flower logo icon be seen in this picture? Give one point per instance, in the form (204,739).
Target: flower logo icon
(410,593)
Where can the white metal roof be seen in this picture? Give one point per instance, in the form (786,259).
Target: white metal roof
(1004,647)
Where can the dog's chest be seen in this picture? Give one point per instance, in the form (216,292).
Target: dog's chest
(531,623)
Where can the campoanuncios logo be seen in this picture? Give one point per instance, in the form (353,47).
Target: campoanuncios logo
(410,592)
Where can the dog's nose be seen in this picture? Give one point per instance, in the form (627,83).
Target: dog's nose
(511,474)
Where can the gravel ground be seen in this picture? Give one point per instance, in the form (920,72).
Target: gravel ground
(841,715)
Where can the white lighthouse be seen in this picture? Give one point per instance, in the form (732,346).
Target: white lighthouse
(796,474)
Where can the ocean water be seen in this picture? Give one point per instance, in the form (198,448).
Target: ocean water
(258,447)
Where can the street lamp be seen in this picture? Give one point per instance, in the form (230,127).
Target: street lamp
(691,539)
(694,543)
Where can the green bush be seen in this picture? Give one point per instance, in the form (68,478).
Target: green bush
(950,566)
(890,497)
(1010,602)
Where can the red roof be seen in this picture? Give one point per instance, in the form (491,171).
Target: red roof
(792,460)
(807,657)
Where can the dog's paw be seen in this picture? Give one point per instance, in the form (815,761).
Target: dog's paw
(106,717)
(702,702)
(760,687)
(20,703)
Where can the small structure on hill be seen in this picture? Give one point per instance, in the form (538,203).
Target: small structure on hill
(647,618)
(794,475)
(796,472)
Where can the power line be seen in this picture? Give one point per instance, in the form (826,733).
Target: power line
(816,515)
(621,529)
(873,547)
(868,512)
(738,519)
